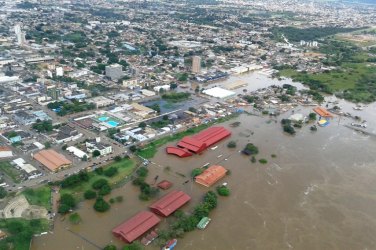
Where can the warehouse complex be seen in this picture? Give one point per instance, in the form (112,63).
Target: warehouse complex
(198,143)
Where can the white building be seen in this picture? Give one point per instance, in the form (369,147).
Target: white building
(77,152)
(147,93)
(93,145)
(101,101)
(164,87)
(5,152)
(28,168)
(114,71)
(59,71)
(130,83)
(21,40)
(218,92)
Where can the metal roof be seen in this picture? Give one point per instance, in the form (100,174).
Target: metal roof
(136,226)
(170,203)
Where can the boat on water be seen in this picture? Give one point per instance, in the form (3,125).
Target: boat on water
(214,148)
(203,223)
(206,165)
(170,245)
(363,125)
(323,123)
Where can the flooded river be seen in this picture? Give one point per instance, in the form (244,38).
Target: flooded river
(319,192)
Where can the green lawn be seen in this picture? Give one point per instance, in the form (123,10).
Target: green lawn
(125,168)
(10,171)
(20,232)
(350,79)
(39,196)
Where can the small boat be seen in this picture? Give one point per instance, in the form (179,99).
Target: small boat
(170,245)
(214,148)
(203,223)
(363,125)
(323,123)
(206,165)
(219,156)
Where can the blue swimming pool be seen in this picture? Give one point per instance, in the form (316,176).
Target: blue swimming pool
(103,118)
(113,123)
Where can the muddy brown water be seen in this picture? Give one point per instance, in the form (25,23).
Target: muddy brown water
(318,193)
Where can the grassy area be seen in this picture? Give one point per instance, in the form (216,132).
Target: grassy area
(125,168)
(354,78)
(350,80)
(20,232)
(151,149)
(39,196)
(10,171)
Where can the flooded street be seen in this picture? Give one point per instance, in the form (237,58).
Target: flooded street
(319,192)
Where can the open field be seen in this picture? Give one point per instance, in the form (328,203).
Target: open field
(39,196)
(10,171)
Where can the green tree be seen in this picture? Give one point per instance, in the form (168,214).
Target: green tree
(90,194)
(142,125)
(111,171)
(75,218)
(201,211)
(47,144)
(105,190)
(289,129)
(196,171)
(231,144)
(96,153)
(98,184)
(183,77)
(312,116)
(101,205)
(250,149)
(210,199)
(173,86)
(84,158)
(133,148)
(133,246)
(223,191)
(142,172)
(3,193)
(192,109)
(110,247)
(67,202)
(263,161)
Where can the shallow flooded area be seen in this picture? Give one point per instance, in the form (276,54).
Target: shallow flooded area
(319,192)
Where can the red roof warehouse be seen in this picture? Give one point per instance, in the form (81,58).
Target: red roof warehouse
(170,203)
(136,226)
(199,142)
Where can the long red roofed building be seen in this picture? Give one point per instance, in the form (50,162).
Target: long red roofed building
(136,226)
(199,142)
(170,203)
